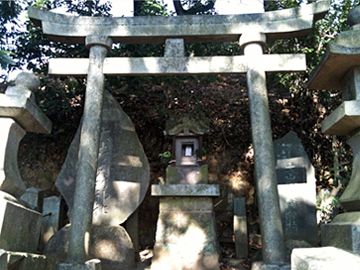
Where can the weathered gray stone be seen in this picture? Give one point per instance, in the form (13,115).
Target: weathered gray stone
(328,258)
(350,199)
(10,137)
(34,198)
(3,260)
(351,85)
(25,112)
(123,170)
(25,85)
(25,261)
(111,245)
(89,144)
(199,190)
(297,189)
(186,175)
(344,120)
(22,236)
(343,232)
(266,183)
(122,66)
(353,17)
(142,29)
(183,221)
(240,228)
(263,266)
(93,264)
(342,55)
(53,214)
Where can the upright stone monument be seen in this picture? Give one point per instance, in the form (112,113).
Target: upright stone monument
(121,183)
(251,29)
(339,69)
(18,114)
(297,189)
(186,228)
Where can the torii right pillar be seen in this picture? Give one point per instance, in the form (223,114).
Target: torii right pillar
(340,69)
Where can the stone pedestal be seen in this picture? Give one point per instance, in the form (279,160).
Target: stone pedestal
(19,226)
(343,232)
(328,258)
(111,245)
(186,233)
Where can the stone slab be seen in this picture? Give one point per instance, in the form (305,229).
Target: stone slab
(111,245)
(187,175)
(350,198)
(344,120)
(186,204)
(144,29)
(329,258)
(25,261)
(25,112)
(10,137)
(199,190)
(34,198)
(53,214)
(125,66)
(240,228)
(3,260)
(93,264)
(263,266)
(297,189)
(22,236)
(343,232)
(123,172)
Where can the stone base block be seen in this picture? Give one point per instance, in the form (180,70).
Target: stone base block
(329,258)
(22,261)
(19,226)
(93,264)
(263,266)
(111,245)
(183,257)
(343,232)
(190,175)
(186,235)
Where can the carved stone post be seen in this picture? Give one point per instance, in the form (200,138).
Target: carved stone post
(266,182)
(88,154)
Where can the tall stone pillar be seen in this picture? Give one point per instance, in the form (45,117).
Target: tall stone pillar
(88,155)
(266,182)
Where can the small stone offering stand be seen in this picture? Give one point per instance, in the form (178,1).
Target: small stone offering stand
(340,69)
(186,234)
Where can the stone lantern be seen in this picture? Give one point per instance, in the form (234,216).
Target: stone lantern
(340,69)
(186,208)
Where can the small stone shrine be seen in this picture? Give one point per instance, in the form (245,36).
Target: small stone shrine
(18,114)
(186,233)
(340,69)
(297,189)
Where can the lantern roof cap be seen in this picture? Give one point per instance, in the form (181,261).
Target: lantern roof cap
(186,124)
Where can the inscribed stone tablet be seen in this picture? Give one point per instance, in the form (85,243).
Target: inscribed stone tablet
(123,170)
(297,190)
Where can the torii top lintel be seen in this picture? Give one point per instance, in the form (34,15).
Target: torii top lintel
(285,23)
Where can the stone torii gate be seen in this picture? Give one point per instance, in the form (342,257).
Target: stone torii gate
(251,30)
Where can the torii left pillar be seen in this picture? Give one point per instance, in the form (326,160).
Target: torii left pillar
(79,241)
